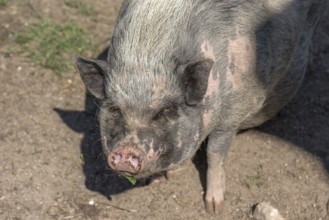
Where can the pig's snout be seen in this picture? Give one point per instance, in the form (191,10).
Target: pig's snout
(126,159)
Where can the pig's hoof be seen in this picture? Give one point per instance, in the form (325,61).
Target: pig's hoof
(214,205)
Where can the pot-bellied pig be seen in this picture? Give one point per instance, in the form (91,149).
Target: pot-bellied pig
(181,71)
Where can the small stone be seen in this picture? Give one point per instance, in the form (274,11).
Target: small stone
(91,202)
(264,211)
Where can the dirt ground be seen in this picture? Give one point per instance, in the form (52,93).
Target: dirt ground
(51,166)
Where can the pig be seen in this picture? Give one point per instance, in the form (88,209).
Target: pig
(178,72)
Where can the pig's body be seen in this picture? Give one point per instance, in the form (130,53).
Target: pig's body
(181,71)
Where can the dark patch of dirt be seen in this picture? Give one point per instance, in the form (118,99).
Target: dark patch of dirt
(48,122)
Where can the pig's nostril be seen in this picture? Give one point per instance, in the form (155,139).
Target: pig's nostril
(134,161)
(116,158)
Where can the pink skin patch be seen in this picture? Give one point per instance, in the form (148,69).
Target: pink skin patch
(241,57)
(213,84)
(152,155)
(207,50)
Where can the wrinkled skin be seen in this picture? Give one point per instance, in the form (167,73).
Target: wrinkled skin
(181,71)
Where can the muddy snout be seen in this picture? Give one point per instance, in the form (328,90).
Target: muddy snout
(126,159)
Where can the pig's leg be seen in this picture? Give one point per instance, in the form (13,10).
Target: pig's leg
(218,144)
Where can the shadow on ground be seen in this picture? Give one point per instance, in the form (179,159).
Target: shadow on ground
(305,120)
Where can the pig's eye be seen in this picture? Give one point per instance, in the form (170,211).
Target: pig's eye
(165,113)
(114,113)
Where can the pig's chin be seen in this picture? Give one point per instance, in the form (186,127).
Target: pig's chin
(149,172)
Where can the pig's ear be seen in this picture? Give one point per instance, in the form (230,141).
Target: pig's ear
(92,73)
(195,80)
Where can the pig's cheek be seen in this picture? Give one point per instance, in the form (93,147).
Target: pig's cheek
(152,155)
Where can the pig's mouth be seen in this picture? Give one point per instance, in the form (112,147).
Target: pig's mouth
(126,174)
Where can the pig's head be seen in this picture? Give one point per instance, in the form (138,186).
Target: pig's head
(150,118)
